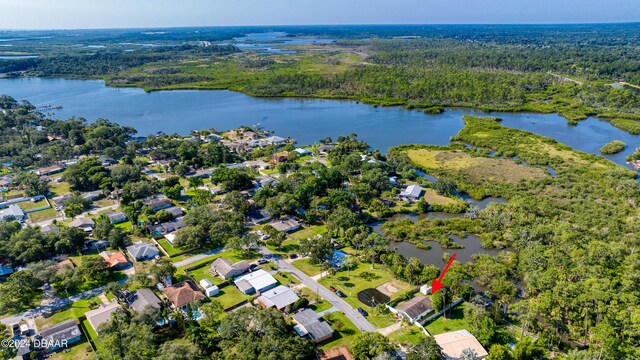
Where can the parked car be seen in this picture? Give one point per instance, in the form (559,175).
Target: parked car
(332,289)
(16,329)
(265,237)
(293,256)
(262,261)
(339,293)
(363,312)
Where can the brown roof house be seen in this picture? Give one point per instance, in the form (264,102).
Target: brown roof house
(415,308)
(183,294)
(226,269)
(115,260)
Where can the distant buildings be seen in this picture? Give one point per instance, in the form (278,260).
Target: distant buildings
(49,170)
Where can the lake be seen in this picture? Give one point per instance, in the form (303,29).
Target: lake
(306,120)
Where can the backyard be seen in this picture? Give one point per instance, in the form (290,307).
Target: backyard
(454,321)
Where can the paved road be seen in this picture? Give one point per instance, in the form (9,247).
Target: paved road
(54,305)
(197,258)
(352,314)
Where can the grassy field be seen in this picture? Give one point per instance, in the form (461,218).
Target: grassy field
(170,249)
(475,169)
(284,278)
(203,273)
(407,336)
(361,278)
(455,321)
(73,311)
(288,246)
(432,197)
(78,351)
(230,296)
(306,267)
(42,215)
(344,331)
(60,188)
(28,205)
(309,232)
(317,303)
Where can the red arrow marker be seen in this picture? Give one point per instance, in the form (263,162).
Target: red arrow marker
(437,283)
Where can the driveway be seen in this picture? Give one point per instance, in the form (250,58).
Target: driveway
(356,318)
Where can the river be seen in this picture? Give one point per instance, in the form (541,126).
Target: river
(306,120)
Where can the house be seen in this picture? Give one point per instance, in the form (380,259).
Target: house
(49,229)
(411,193)
(303,151)
(141,251)
(53,169)
(5,272)
(166,227)
(63,266)
(101,315)
(275,140)
(415,308)
(60,335)
(200,173)
(259,216)
(175,211)
(106,161)
(13,212)
(59,201)
(266,181)
(339,353)
(279,297)
(308,323)
(279,157)
(285,225)
(226,269)
(257,164)
(454,342)
(115,260)
(326,148)
(183,294)
(143,298)
(338,258)
(116,217)
(93,195)
(158,203)
(259,281)
(83,223)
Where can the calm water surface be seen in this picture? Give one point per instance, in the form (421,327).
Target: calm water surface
(306,120)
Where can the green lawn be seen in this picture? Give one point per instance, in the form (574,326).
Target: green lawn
(455,321)
(407,336)
(363,277)
(42,215)
(59,188)
(28,205)
(78,351)
(306,267)
(230,254)
(309,232)
(93,336)
(170,249)
(203,273)
(284,279)
(230,296)
(317,303)
(73,311)
(288,246)
(344,331)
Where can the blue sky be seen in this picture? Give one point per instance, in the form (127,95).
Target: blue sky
(65,14)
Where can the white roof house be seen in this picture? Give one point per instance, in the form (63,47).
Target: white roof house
(13,211)
(302,151)
(275,140)
(205,283)
(279,298)
(412,192)
(260,280)
(454,342)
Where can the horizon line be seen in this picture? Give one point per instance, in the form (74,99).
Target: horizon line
(328,25)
